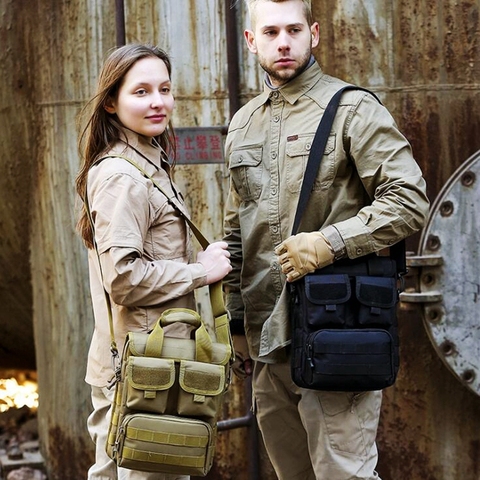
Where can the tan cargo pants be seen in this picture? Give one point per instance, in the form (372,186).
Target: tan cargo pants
(104,468)
(313,435)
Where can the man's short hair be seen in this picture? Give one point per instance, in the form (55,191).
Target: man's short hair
(307,8)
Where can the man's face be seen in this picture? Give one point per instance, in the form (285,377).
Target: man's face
(282,39)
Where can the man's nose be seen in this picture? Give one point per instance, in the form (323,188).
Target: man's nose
(283,41)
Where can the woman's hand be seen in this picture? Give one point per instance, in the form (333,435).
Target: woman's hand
(216,260)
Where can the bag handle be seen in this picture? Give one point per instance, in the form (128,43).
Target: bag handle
(203,341)
(397,251)
(220,315)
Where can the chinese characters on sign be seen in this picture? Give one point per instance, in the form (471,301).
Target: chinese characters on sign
(199,145)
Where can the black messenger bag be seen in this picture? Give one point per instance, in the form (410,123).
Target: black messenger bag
(344,323)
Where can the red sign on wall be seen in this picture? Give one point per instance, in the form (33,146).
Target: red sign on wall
(199,145)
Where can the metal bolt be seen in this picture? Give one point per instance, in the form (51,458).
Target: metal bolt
(448,348)
(446,208)
(468,179)
(428,279)
(434,315)
(468,376)
(433,243)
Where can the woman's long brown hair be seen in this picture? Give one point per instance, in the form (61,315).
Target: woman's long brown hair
(101,130)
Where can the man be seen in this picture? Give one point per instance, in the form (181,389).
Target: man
(368,195)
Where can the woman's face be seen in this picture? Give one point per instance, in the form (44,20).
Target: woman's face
(144,102)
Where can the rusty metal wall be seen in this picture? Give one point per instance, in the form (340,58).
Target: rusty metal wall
(17,157)
(421,56)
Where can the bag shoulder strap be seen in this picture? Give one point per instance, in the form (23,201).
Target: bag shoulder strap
(397,251)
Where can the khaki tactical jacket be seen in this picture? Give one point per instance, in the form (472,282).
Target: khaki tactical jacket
(144,246)
(369,188)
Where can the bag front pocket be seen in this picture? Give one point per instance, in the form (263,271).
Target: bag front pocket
(350,360)
(165,444)
(377,297)
(148,382)
(326,299)
(201,388)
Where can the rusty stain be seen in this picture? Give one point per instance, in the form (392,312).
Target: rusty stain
(68,456)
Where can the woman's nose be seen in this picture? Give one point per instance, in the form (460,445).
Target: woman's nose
(157,100)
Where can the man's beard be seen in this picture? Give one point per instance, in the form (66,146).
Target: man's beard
(283,76)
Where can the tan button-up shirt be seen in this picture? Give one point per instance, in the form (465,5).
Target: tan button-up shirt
(144,246)
(369,188)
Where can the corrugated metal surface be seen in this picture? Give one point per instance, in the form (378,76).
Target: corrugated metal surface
(421,56)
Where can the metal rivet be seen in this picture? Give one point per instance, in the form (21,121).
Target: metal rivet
(434,315)
(446,208)
(468,179)
(433,242)
(468,376)
(428,279)
(447,348)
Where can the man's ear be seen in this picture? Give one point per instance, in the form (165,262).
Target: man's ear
(109,106)
(315,30)
(250,39)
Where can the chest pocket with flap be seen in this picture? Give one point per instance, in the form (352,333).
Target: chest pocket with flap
(297,152)
(246,170)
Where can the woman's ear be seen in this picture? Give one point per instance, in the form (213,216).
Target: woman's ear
(109,106)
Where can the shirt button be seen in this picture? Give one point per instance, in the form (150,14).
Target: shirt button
(276,118)
(359,251)
(274,155)
(274,191)
(308,146)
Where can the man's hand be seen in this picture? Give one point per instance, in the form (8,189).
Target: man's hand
(303,253)
(243,365)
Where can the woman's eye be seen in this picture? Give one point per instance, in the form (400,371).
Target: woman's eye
(141,91)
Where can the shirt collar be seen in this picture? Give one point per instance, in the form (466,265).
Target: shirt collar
(296,87)
(146,147)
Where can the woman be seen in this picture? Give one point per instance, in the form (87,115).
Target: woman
(142,242)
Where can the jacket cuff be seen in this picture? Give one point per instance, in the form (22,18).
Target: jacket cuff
(199,274)
(336,241)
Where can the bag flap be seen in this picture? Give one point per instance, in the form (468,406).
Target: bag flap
(379,292)
(149,373)
(201,378)
(327,289)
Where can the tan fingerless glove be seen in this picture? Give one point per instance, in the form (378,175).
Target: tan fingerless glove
(303,253)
